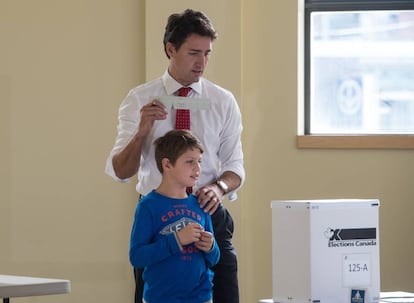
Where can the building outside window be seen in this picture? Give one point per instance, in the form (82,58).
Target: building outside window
(359,67)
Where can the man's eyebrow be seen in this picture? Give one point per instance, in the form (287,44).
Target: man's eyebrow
(199,50)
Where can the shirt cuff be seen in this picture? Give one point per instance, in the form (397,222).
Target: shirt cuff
(178,242)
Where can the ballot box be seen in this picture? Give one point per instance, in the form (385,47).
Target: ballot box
(325,251)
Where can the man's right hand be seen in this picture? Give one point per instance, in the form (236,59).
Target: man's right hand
(126,163)
(150,112)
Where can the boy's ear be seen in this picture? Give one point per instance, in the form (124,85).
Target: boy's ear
(166,164)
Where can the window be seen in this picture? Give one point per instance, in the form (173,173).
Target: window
(358,68)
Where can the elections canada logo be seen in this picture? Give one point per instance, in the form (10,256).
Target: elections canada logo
(351,237)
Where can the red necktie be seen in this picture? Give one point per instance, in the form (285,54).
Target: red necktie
(182,120)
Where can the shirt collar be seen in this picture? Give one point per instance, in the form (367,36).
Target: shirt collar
(171,86)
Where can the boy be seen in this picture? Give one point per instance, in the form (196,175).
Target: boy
(172,237)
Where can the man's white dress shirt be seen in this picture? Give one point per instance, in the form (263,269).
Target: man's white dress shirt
(218,128)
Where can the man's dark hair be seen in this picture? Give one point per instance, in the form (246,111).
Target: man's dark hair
(173,144)
(180,26)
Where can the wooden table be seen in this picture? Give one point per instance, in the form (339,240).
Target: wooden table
(19,286)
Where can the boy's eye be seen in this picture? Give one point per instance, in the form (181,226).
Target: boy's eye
(193,162)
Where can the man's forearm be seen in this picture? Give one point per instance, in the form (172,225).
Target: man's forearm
(231,179)
(126,163)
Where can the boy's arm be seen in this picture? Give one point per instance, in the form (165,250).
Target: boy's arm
(143,251)
(213,255)
(210,248)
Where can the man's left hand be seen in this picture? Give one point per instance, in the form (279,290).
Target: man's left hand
(209,197)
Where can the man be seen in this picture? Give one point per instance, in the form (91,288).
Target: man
(143,117)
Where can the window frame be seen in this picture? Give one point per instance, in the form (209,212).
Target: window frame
(354,141)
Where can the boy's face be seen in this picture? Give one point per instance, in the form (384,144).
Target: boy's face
(187,64)
(186,170)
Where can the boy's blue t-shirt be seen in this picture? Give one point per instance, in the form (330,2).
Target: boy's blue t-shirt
(171,275)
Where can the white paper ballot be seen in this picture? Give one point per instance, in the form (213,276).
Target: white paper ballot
(184,102)
(397,297)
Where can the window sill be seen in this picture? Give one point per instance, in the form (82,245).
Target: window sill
(356,142)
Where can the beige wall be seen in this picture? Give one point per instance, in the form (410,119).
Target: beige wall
(64,68)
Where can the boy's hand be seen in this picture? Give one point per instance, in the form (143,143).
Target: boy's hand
(189,234)
(205,242)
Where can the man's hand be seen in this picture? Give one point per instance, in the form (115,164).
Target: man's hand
(150,112)
(209,197)
(126,162)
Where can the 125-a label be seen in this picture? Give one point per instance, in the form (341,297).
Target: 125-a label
(356,270)
(357,267)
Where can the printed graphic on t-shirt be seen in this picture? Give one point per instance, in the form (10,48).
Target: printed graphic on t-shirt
(176,226)
(180,211)
(178,222)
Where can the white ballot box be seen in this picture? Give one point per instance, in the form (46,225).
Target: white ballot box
(325,251)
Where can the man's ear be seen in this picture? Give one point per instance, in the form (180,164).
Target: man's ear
(170,49)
